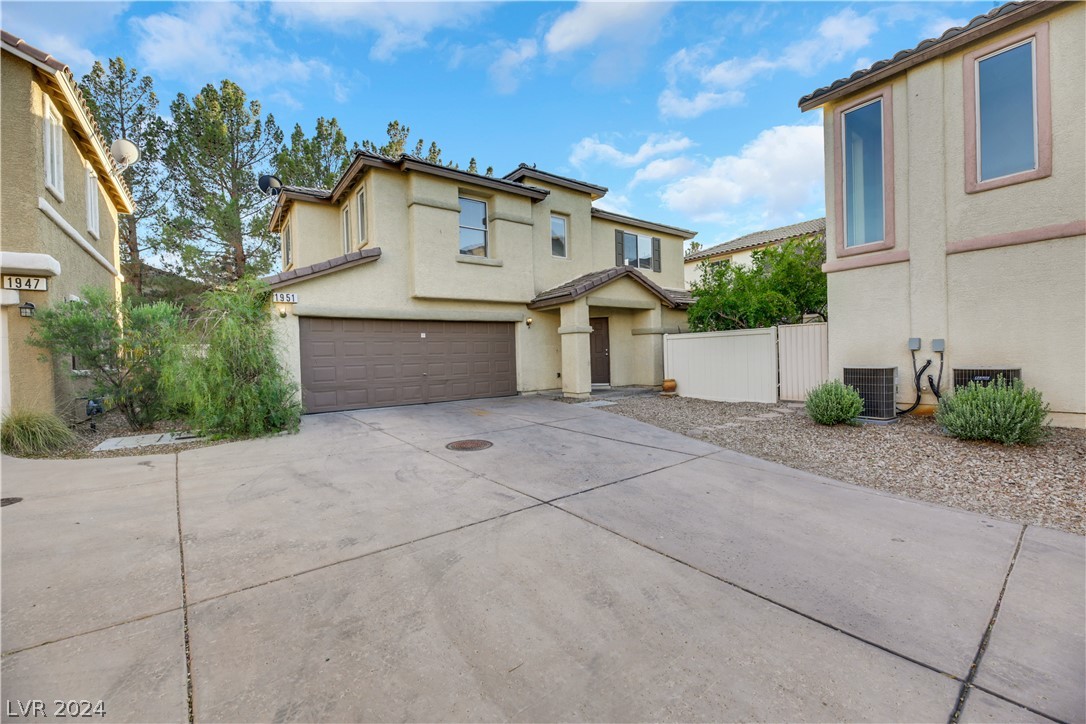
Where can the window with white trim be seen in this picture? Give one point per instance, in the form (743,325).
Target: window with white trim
(92,203)
(53,137)
(864,198)
(1006,98)
(473,227)
(360,202)
(559,236)
(636,250)
(347,229)
(288,248)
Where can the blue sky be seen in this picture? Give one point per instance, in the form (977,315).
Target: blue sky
(686,111)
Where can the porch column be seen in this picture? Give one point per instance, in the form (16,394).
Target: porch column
(576,350)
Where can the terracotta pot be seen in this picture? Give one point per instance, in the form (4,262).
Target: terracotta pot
(669,385)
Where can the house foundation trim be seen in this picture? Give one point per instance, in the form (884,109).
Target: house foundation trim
(435,315)
(75,236)
(1028,236)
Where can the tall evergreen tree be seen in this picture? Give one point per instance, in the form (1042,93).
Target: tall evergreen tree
(316,161)
(126,106)
(217,225)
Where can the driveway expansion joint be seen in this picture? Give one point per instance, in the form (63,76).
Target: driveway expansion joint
(184,590)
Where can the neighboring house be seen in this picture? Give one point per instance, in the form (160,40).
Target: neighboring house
(955,187)
(740,251)
(420,283)
(58,216)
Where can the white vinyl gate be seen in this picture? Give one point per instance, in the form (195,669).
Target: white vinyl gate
(748,365)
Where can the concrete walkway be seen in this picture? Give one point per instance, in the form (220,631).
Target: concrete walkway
(584,567)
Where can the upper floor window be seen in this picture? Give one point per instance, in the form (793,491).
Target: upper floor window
(559,236)
(92,203)
(864,175)
(360,202)
(473,228)
(347,229)
(288,248)
(637,250)
(53,126)
(1008,113)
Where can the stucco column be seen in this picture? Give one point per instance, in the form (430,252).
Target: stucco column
(576,351)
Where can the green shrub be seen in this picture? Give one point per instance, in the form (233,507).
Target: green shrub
(834,402)
(226,378)
(1004,412)
(33,434)
(121,344)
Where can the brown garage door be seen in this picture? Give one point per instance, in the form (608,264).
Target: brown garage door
(349,364)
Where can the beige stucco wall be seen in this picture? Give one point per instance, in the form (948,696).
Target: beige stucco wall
(315,233)
(25,228)
(671,252)
(1012,306)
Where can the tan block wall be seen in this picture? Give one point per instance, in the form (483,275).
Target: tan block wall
(24,228)
(1016,306)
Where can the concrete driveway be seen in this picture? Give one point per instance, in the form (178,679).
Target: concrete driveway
(584,567)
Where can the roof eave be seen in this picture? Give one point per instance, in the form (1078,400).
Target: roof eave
(653,226)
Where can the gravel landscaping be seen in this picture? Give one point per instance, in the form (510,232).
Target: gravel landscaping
(1043,485)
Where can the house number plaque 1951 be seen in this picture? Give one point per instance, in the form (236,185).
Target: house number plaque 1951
(285,297)
(26,284)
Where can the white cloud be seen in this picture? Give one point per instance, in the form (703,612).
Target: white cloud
(663,168)
(202,41)
(508,71)
(940,24)
(719,85)
(777,176)
(400,26)
(615,203)
(65,30)
(589,21)
(591,148)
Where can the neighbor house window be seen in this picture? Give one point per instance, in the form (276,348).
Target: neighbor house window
(1008,113)
(473,229)
(559,236)
(360,202)
(288,248)
(92,203)
(53,127)
(347,229)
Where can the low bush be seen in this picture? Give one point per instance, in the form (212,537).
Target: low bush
(834,402)
(226,379)
(33,434)
(1003,412)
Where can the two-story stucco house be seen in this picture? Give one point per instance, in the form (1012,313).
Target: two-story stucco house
(58,216)
(956,204)
(420,283)
(740,251)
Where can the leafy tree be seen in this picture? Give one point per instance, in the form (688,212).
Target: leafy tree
(126,106)
(235,386)
(217,225)
(783,284)
(316,161)
(122,346)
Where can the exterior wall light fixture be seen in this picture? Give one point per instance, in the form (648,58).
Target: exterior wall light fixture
(26,309)
(529,321)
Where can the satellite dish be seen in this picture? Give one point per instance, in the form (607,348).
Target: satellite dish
(124,152)
(270,185)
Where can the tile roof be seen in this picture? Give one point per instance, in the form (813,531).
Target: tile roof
(18,44)
(769,236)
(576,288)
(982,25)
(526,171)
(308,191)
(362,256)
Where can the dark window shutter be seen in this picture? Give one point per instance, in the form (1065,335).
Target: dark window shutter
(620,260)
(656,253)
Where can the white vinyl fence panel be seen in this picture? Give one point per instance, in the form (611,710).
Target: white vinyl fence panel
(804,358)
(737,366)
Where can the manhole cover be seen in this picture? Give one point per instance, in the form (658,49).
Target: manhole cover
(469,445)
(4,502)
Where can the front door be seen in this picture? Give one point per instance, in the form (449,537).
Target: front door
(600,341)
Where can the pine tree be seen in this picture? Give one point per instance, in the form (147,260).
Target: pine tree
(316,161)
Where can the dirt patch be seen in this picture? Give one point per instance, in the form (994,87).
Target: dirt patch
(112,424)
(1043,485)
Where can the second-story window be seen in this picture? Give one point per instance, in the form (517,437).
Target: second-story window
(637,250)
(360,202)
(347,229)
(288,248)
(1006,122)
(473,228)
(92,203)
(864,207)
(559,236)
(53,131)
